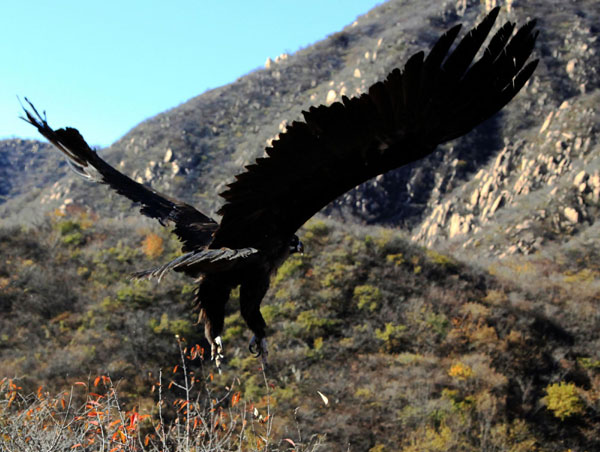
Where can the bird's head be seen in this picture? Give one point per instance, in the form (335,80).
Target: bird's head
(296,245)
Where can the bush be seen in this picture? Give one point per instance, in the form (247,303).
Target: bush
(563,400)
(460,371)
(367,297)
(391,336)
(153,245)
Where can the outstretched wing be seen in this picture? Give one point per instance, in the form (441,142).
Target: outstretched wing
(400,120)
(193,227)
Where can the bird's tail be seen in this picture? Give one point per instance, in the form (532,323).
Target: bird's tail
(198,262)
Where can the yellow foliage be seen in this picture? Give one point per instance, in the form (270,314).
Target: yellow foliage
(363,393)
(318,343)
(391,335)
(288,269)
(440,259)
(416,267)
(367,296)
(563,400)
(4,282)
(432,440)
(514,437)
(583,276)
(460,371)
(378,448)
(396,259)
(153,245)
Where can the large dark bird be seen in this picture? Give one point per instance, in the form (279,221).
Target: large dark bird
(402,119)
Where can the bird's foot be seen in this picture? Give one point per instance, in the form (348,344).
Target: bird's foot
(216,352)
(259,348)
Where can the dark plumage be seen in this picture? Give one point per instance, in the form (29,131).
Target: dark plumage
(335,148)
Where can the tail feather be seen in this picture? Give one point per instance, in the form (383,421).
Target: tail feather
(197,262)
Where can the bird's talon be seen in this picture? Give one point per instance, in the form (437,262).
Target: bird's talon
(216,352)
(254,347)
(258,348)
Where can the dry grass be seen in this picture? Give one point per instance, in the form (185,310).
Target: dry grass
(190,413)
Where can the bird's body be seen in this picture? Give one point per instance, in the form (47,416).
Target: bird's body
(432,100)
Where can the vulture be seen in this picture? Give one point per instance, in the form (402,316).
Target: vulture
(433,99)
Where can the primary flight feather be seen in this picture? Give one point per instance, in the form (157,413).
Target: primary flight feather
(431,100)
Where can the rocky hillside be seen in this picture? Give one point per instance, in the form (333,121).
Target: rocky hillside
(26,167)
(193,150)
(545,186)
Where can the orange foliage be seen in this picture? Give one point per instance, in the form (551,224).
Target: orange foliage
(153,245)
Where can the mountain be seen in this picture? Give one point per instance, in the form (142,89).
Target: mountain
(26,167)
(481,334)
(193,150)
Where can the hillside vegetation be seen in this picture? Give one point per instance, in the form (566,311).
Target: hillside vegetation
(411,348)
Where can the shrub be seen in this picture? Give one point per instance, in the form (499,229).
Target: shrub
(191,413)
(336,274)
(136,293)
(314,324)
(588,363)
(367,297)
(391,335)
(316,228)
(68,227)
(440,259)
(396,258)
(563,400)
(289,268)
(180,327)
(153,245)
(460,371)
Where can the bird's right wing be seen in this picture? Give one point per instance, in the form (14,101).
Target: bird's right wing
(192,227)
(402,119)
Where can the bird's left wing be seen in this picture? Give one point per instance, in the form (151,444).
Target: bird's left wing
(399,120)
(193,227)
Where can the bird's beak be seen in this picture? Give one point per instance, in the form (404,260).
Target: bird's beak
(300,247)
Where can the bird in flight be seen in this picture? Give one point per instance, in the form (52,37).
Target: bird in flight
(433,99)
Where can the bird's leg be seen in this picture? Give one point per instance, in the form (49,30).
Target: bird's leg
(216,351)
(252,292)
(259,348)
(211,298)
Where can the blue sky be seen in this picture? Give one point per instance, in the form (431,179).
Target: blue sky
(105,66)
